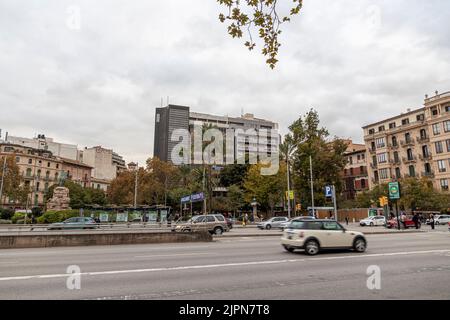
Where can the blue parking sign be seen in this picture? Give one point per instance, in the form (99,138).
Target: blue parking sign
(329,191)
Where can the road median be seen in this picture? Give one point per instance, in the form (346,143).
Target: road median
(96,239)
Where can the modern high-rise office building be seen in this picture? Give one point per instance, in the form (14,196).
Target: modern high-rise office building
(246,130)
(413,144)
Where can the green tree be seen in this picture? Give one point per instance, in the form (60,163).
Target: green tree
(309,139)
(12,180)
(267,190)
(233,174)
(263,15)
(235,198)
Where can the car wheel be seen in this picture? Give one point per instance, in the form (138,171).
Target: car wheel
(311,247)
(360,245)
(218,231)
(436,223)
(371,224)
(268,227)
(289,249)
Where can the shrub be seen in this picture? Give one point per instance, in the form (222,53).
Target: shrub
(17,216)
(5,221)
(6,214)
(58,216)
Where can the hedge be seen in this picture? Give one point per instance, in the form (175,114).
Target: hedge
(58,216)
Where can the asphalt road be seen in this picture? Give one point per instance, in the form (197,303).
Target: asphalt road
(413,266)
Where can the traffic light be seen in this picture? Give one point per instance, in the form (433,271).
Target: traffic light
(383,201)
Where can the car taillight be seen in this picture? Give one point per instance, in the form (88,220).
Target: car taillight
(301,235)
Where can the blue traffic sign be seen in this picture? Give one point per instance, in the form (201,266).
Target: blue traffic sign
(329,191)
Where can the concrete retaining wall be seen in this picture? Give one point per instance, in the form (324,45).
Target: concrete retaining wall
(90,239)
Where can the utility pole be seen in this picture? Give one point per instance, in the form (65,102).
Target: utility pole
(288,187)
(312,185)
(3,180)
(136,185)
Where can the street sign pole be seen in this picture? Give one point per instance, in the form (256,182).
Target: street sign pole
(334,203)
(396,212)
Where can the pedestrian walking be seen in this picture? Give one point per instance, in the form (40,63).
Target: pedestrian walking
(416,220)
(346,220)
(432,221)
(403,220)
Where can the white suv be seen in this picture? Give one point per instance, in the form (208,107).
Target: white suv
(314,235)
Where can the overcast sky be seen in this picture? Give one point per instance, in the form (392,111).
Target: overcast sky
(98,82)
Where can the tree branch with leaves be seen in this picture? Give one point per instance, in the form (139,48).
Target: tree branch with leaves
(243,16)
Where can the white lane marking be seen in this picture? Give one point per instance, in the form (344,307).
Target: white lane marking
(178,254)
(236,264)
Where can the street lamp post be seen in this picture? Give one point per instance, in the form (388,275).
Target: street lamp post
(135,186)
(312,185)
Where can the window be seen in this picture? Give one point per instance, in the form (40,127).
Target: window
(423,134)
(444,184)
(57,166)
(17,159)
(382,158)
(48,164)
(427,167)
(434,111)
(405,121)
(425,152)
(412,171)
(436,129)
(380,143)
(394,141)
(392,125)
(28,172)
(420,117)
(37,186)
(39,173)
(407,137)
(410,154)
(350,160)
(438,146)
(396,158)
(397,173)
(363,157)
(158,117)
(358,157)
(331,226)
(371,131)
(363,183)
(381,128)
(447,126)
(384,174)
(30,161)
(47,174)
(372,146)
(447,142)
(447,108)
(210,219)
(441,166)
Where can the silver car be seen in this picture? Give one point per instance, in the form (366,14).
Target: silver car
(275,222)
(74,223)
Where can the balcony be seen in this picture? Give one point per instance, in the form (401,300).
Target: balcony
(407,143)
(393,146)
(422,140)
(409,160)
(395,161)
(426,157)
(429,174)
